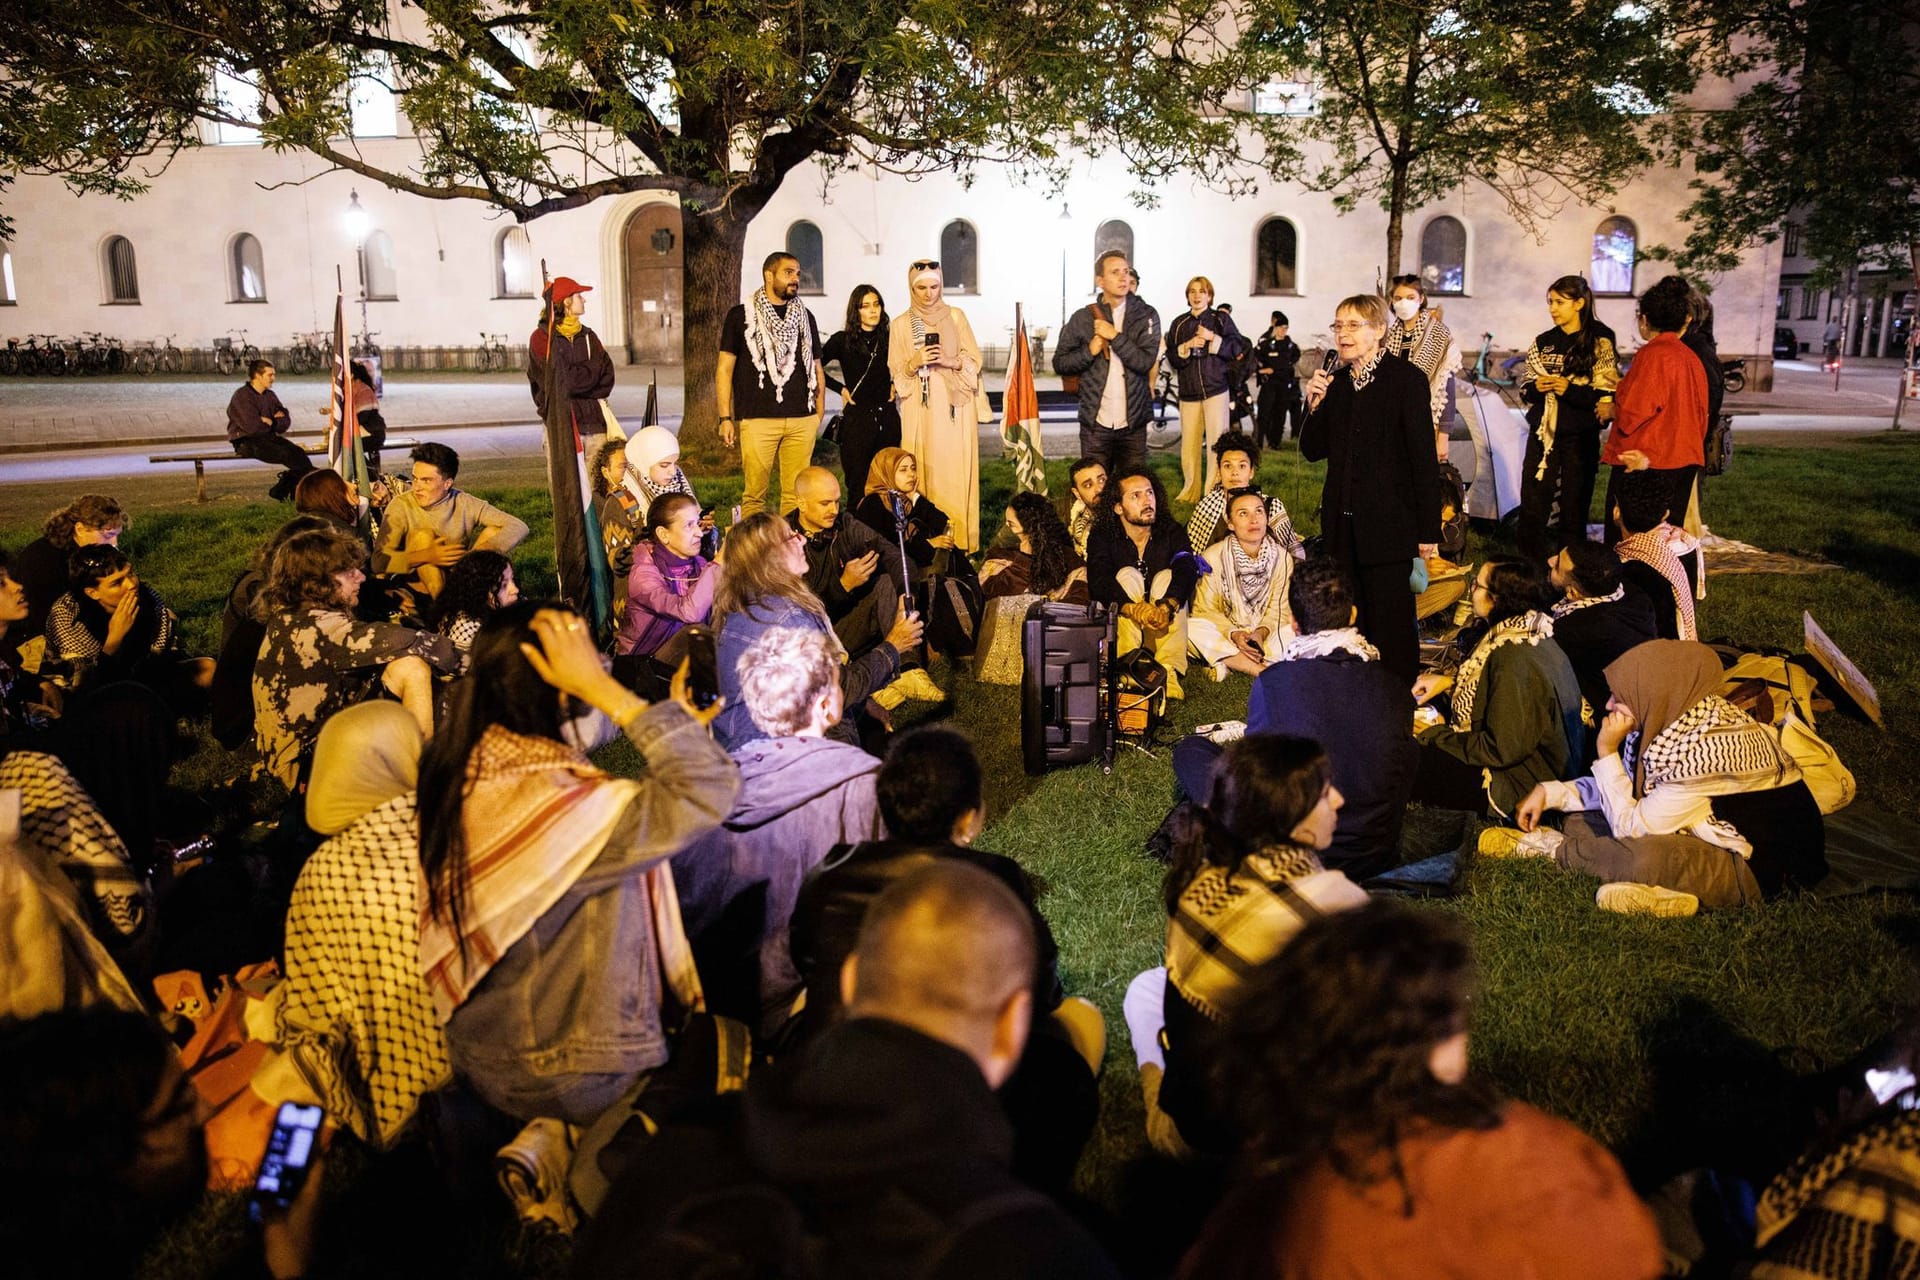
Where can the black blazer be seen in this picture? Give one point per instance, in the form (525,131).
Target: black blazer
(1381,468)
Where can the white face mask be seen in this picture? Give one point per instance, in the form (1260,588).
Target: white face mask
(1407,308)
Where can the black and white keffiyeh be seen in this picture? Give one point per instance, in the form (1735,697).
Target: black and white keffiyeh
(778,344)
(1565,606)
(1530,627)
(1319,644)
(1253,575)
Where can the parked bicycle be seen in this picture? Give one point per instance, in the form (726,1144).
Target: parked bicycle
(309,353)
(1483,373)
(230,356)
(93,353)
(493,355)
(47,356)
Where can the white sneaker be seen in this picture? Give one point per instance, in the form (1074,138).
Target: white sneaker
(1630,899)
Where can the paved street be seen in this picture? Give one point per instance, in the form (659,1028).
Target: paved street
(56,434)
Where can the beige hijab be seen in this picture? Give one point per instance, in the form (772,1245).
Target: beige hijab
(939,318)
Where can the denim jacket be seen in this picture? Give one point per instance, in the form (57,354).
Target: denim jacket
(567,1020)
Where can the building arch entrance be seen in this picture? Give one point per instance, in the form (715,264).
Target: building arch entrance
(653,253)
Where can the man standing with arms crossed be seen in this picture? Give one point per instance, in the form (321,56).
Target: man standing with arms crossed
(778,390)
(1112,345)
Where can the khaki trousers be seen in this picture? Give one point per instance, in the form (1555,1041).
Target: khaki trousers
(765,442)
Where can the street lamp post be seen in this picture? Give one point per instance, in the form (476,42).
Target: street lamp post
(359,222)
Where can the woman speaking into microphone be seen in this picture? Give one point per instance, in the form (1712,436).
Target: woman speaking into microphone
(1369,417)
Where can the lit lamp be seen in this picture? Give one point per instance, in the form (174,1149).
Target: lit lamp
(359,222)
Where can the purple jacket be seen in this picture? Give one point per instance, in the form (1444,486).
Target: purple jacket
(664,594)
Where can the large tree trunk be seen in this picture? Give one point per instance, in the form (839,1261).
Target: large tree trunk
(1396,220)
(715,240)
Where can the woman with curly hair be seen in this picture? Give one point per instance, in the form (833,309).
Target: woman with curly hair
(764,586)
(1043,563)
(40,567)
(1246,876)
(318,658)
(479,584)
(1374,1153)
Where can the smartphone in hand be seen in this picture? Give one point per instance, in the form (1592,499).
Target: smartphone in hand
(703,666)
(291,1149)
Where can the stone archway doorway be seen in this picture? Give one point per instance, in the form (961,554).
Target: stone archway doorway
(654,253)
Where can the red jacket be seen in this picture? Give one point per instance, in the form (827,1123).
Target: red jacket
(1660,407)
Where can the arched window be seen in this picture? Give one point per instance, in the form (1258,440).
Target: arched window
(116,262)
(7,296)
(247,269)
(513,275)
(960,257)
(1443,256)
(1113,234)
(1614,244)
(1276,257)
(383,283)
(804,243)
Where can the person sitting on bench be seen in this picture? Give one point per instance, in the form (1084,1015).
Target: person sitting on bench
(257,428)
(432,524)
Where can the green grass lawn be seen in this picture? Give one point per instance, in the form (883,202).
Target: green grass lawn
(1673,1041)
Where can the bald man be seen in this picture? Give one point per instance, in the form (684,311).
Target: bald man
(856,573)
(884,1131)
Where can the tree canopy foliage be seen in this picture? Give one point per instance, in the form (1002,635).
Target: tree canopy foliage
(1539,100)
(1825,131)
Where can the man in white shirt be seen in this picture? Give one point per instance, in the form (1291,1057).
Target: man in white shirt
(1111,345)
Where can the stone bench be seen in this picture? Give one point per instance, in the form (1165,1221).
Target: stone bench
(201,458)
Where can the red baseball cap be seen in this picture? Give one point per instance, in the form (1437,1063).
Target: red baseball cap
(564,287)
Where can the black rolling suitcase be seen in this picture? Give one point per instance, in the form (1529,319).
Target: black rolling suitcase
(1066,652)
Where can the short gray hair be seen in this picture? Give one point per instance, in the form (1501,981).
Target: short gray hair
(1370,307)
(782,674)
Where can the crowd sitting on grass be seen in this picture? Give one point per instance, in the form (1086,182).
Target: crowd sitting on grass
(764,1003)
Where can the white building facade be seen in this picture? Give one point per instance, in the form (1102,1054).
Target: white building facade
(235,237)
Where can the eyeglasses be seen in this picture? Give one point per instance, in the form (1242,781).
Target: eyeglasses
(1350,326)
(924,263)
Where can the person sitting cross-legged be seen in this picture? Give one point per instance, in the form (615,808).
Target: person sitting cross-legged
(1132,551)
(879,1149)
(801,795)
(1515,702)
(1691,802)
(855,572)
(1375,1153)
(1246,876)
(432,524)
(1330,686)
(1240,618)
(1238,459)
(933,803)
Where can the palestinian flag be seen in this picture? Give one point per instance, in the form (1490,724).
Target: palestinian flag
(1020,417)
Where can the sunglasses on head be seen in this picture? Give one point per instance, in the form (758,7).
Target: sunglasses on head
(925,263)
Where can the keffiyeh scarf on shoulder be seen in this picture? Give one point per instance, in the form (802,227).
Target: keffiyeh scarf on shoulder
(1653,549)
(354,1014)
(1851,1210)
(1424,342)
(1231,919)
(777,344)
(1318,644)
(537,814)
(1716,745)
(1564,607)
(1530,627)
(1253,576)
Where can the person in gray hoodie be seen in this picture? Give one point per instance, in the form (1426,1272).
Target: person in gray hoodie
(801,794)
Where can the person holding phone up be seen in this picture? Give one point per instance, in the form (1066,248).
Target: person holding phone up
(936,384)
